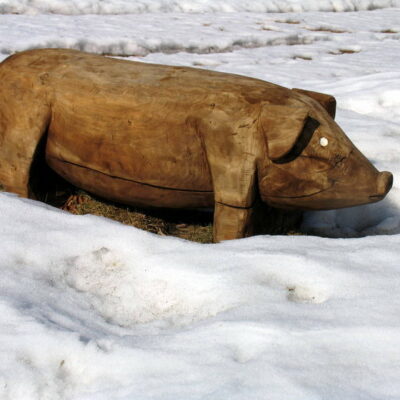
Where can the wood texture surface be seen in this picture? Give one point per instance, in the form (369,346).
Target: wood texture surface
(165,136)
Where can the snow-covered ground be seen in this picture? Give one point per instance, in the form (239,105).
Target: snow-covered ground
(94,310)
(75,7)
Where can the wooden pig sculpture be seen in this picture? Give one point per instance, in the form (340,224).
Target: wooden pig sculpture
(164,136)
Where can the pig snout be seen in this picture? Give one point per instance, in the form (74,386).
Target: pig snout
(384,184)
(359,182)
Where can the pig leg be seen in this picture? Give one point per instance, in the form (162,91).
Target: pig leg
(231,147)
(232,222)
(23,121)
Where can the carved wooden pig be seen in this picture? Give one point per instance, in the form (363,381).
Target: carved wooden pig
(162,136)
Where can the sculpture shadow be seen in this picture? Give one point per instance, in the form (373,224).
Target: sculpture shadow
(382,218)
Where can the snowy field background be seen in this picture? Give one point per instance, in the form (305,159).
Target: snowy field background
(94,310)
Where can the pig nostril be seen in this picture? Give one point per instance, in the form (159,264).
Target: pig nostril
(385,182)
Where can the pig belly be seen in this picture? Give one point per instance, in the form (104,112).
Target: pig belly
(129,154)
(127,191)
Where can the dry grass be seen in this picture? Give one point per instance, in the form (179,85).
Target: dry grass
(288,21)
(390,30)
(331,30)
(307,58)
(194,225)
(187,224)
(344,51)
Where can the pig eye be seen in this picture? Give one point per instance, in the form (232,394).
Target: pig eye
(323,141)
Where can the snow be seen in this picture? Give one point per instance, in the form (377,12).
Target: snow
(74,7)
(94,310)
(139,35)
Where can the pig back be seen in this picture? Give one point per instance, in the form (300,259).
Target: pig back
(133,122)
(149,140)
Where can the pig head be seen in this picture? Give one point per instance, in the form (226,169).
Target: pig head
(311,164)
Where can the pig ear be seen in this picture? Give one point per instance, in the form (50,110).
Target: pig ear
(282,127)
(326,100)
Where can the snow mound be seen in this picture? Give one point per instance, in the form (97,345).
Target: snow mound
(92,309)
(203,34)
(73,7)
(376,95)
(376,219)
(139,291)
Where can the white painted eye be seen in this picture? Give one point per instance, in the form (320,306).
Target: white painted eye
(323,141)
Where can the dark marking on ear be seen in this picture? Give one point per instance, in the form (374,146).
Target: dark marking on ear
(310,126)
(282,127)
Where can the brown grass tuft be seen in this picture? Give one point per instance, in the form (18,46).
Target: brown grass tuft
(390,30)
(288,21)
(192,225)
(308,58)
(344,51)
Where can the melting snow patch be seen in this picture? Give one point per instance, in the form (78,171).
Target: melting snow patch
(305,294)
